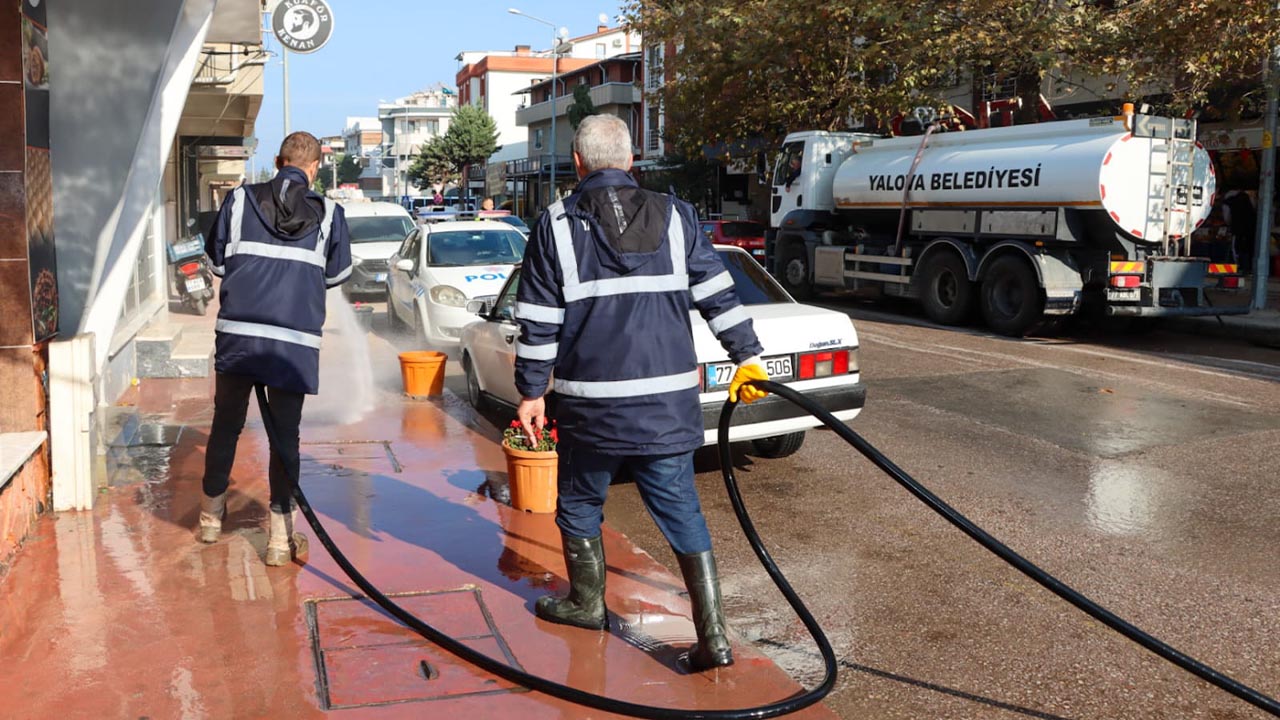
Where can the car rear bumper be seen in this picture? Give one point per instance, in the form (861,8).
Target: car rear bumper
(774,416)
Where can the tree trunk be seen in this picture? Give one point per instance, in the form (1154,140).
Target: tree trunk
(1028,84)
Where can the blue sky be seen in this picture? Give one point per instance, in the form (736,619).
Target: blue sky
(384,49)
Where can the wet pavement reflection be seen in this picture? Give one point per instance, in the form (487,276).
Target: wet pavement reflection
(145,621)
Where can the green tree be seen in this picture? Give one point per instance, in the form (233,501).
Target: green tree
(758,68)
(348,170)
(472,137)
(433,165)
(264,175)
(582,107)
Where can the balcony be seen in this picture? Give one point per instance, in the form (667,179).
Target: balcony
(601,96)
(525,167)
(221,64)
(476,172)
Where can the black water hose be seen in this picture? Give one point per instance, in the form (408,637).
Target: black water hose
(1026,567)
(790,705)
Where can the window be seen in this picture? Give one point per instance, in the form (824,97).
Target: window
(653,129)
(789,162)
(433,127)
(409,250)
(653,66)
(457,248)
(412,126)
(505,307)
(537,139)
(378,228)
(753,285)
(601,49)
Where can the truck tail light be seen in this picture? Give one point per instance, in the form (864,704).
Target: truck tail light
(1126,281)
(1231,281)
(823,364)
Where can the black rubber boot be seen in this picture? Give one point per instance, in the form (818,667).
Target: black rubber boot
(712,649)
(584,607)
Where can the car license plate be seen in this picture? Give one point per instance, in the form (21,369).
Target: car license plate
(380,277)
(195,284)
(721,374)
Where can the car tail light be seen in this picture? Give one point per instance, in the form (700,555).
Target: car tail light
(1126,281)
(1231,281)
(189,268)
(823,364)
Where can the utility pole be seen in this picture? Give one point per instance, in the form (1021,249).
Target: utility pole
(1267,182)
(285,52)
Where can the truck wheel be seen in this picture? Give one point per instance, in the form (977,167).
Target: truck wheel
(946,292)
(793,271)
(1012,303)
(779,446)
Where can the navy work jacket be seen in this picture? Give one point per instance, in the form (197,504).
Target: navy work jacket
(614,327)
(273,284)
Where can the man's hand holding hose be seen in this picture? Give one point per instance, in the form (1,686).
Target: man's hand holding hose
(750,369)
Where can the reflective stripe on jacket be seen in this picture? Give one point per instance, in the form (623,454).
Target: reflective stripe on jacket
(273,291)
(615,327)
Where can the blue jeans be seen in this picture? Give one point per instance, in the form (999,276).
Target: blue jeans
(666,487)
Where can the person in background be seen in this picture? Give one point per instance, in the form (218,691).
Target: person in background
(1241,216)
(277,247)
(608,280)
(486,204)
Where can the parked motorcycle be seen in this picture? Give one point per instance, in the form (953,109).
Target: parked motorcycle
(191,273)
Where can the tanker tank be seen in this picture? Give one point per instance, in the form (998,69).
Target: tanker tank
(1092,164)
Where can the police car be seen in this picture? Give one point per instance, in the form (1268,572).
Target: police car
(439,268)
(811,349)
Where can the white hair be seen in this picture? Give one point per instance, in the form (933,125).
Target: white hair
(603,141)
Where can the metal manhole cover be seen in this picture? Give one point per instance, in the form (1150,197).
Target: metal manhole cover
(366,658)
(349,457)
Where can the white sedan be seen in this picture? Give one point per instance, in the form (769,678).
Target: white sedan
(810,349)
(439,268)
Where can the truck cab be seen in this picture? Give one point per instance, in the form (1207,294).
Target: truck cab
(805,171)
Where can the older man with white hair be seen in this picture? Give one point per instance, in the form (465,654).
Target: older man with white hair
(609,277)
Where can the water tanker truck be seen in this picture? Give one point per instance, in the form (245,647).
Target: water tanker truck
(1028,223)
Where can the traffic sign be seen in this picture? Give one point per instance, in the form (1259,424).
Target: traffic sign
(302,26)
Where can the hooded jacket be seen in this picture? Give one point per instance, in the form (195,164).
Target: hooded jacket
(277,247)
(607,284)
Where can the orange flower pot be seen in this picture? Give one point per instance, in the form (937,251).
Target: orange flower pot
(422,372)
(532,477)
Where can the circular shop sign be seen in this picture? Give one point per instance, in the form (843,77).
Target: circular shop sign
(302,26)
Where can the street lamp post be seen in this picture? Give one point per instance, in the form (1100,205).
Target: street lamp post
(555,57)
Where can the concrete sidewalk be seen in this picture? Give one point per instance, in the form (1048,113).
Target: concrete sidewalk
(1260,327)
(120,612)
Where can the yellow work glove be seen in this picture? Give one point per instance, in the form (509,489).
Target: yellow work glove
(748,371)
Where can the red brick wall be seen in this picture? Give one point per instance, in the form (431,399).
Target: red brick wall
(26,495)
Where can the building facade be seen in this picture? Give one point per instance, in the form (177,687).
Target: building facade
(116,155)
(498,81)
(613,86)
(407,125)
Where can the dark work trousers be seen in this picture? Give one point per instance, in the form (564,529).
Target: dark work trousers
(230,404)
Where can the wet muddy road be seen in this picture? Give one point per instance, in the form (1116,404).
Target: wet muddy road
(1144,471)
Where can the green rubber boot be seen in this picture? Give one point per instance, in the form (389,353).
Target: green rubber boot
(700,577)
(584,606)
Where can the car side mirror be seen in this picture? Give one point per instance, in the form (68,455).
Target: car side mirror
(480,307)
(404,264)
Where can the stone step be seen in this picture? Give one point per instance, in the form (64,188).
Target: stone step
(193,355)
(154,347)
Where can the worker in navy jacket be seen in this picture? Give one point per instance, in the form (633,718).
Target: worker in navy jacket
(277,247)
(609,278)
